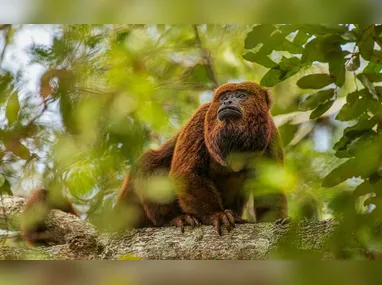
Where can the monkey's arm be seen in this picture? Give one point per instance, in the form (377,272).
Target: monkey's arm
(272,206)
(151,164)
(36,209)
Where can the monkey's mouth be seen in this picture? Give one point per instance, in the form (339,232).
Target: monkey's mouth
(229,112)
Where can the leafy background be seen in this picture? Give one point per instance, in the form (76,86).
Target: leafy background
(79,103)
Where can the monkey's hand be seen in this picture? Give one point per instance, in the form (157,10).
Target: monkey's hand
(283,221)
(227,218)
(185,220)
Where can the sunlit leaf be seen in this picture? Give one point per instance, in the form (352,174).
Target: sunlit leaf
(13,108)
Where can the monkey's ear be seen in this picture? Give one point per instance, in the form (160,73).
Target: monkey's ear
(268,98)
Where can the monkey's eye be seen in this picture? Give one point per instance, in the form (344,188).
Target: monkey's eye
(223,98)
(241,95)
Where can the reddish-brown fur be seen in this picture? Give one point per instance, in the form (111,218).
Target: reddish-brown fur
(208,190)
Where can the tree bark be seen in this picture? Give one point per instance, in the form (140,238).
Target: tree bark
(78,239)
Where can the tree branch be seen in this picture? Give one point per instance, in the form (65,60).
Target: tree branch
(206,58)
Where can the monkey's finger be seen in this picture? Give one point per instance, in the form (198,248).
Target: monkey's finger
(178,222)
(196,221)
(190,220)
(226,222)
(283,221)
(216,223)
(239,219)
(230,216)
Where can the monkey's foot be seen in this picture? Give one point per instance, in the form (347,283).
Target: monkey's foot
(283,221)
(185,220)
(228,219)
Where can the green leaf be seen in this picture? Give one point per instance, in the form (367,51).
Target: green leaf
(287,133)
(315,81)
(259,58)
(290,47)
(314,100)
(337,70)
(5,187)
(271,78)
(364,78)
(363,189)
(358,102)
(271,43)
(313,52)
(372,77)
(372,67)
(363,125)
(321,110)
(301,38)
(341,173)
(13,108)
(199,74)
(366,43)
(376,57)
(354,63)
(258,34)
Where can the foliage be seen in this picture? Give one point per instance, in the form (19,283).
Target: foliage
(356,48)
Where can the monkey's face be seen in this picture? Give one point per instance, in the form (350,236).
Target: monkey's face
(237,120)
(230,105)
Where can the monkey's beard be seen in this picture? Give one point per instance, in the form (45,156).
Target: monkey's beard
(232,137)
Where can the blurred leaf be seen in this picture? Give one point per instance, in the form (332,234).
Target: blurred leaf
(287,133)
(5,82)
(13,108)
(65,77)
(314,81)
(199,74)
(17,148)
(321,110)
(313,101)
(258,34)
(363,189)
(129,257)
(5,187)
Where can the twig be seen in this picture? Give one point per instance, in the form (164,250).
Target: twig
(7,29)
(206,57)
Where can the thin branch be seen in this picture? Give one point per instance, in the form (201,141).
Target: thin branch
(206,57)
(7,29)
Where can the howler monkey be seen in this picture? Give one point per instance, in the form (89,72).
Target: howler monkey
(209,188)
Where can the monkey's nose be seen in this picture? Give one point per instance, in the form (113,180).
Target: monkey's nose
(228,102)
